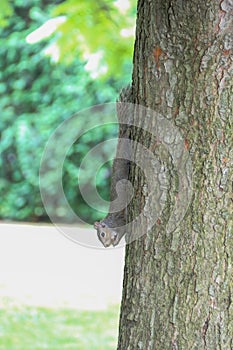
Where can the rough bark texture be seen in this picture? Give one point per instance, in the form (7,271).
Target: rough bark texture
(178,287)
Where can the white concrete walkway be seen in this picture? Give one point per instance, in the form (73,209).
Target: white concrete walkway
(39,266)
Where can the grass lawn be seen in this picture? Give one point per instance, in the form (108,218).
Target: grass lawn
(37,328)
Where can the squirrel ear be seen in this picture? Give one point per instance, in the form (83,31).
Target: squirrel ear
(103,224)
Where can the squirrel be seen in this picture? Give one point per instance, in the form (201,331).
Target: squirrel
(110,230)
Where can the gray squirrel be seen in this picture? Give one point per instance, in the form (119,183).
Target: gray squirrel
(110,230)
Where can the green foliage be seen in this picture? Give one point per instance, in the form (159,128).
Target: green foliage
(101,180)
(5,13)
(37,95)
(40,328)
(96,27)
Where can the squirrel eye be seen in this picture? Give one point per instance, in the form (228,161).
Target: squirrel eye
(102,234)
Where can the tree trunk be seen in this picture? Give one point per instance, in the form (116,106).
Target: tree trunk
(178,286)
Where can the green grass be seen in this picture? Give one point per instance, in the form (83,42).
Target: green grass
(30,328)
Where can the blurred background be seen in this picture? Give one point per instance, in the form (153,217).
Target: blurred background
(56,59)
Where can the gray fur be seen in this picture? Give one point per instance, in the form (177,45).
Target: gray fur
(109,229)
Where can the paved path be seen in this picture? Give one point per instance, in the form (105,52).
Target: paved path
(39,266)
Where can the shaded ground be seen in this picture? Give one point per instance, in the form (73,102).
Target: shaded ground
(39,266)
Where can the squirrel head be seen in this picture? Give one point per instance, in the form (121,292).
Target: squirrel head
(106,234)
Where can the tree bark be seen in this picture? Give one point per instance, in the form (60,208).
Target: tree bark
(178,286)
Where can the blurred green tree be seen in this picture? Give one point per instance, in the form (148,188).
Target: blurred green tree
(37,94)
(6,12)
(100,29)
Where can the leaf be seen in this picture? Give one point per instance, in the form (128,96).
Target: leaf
(93,27)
